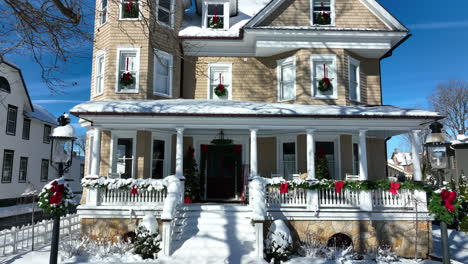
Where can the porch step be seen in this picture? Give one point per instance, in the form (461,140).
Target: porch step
(213,230)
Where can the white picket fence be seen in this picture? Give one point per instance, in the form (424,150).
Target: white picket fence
(20,238)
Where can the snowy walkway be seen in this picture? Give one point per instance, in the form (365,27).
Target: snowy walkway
(458,244)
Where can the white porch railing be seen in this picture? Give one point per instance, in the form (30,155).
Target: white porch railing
(385,199)
(124,197)
(344,199)
(294,198)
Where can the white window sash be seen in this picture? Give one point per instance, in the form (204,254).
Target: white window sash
(103,15)
(225,68)
(169,11)
(225,16)
(354,85)
(135,72)
(116,135)
(320,59)
(313,13)
(159,54)
(100,68)
(282,84)
(121,7)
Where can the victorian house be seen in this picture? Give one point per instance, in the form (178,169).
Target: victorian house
(283,83)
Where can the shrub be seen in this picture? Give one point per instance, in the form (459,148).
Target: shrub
(278,245)
(147,244)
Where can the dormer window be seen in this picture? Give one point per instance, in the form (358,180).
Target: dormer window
(323,12)
(216,14)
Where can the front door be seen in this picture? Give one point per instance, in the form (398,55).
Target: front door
(223,167)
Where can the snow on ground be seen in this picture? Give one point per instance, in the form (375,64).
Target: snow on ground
(17,210)
(458,244)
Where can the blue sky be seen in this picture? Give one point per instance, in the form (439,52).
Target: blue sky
(437,52)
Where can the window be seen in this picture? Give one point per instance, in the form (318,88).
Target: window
(4,85)
(103,13)
(354,83)
(325,156)
(164,11)
(163,63)
(286,79)
(23,170)
(159,148)
(99,84)
(11,120)
(44,170)
(81,171)
(7,170)
(128,63)
(324,68)
(220,73)
(46,136)
(355,159)
(125,157)
(130,9)
(323,12)
(26,128)
(288,159)
(216,14)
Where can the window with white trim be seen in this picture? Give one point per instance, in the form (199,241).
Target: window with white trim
(129,67)
(286,79)
(103,13)
(325,159)
(158,159)
(130,9)
(99,82)
(323,12)
(288,159)
(216,14)
(220,81)
(355,158)
(354,82)
(163,70)
(324,76)
(164,12)
(125,157)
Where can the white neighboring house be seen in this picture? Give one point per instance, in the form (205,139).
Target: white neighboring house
(24,142)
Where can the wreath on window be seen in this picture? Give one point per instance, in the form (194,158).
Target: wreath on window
(220,89)
(127,78)
(56,197)
(130,10)
(215,21)
(325,84)
(323,17)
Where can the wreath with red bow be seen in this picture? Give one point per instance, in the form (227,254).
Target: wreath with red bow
(444,205)
(323,17)
(127,78)
(56,198)
(325,84)
(220,90)
(130,9)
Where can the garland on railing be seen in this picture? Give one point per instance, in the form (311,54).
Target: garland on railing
(133,185)
(351,185)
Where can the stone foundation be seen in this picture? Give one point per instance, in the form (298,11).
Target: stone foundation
(109,229)
(367,235)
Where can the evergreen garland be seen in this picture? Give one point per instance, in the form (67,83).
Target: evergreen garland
(56,198)
(440,212)
(192,176)
(147,245)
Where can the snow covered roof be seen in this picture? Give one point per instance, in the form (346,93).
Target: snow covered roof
(192,26)
(41,114)
(461,139)
(403,158)
(189,107)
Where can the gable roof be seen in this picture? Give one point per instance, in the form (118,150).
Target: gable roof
(41,114)
(11,65)
(375,7)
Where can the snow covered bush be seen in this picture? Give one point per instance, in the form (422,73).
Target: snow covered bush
(148,240)
(311,246)
(384,254)
(73,247)
(95,249)
(278,245)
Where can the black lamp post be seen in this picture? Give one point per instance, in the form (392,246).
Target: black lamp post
(436,151)
(61,156)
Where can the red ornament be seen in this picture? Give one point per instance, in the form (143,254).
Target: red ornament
(394,187)
(338,186)
(188,200)
(284,187)
(448,198)
(134,190)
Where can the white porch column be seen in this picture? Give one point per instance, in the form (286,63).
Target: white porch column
(253,153)
(363,155)
(310,154)
(415,146)
(179,171)
(95,154)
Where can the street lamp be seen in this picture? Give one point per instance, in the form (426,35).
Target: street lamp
(31,191)
(436,151)
(61,156)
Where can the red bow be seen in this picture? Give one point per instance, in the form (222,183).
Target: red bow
(56,198)
(394,187)
(57,191)
(134,190)
(338,186)
(448,198)
(284,187)
(188,200)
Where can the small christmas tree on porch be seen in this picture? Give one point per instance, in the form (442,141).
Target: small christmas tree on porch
(192,177)
(321,165)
